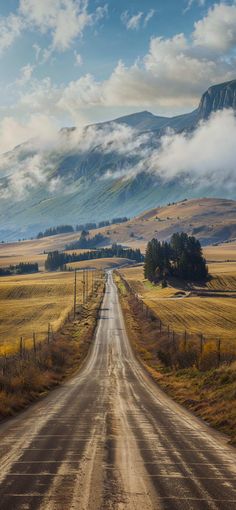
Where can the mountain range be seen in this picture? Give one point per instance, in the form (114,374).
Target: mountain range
(105,170)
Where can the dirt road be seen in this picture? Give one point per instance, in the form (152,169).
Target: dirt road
(110,439)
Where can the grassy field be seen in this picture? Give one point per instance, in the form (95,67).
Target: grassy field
(29,302)
(34,250)
(223,276)
(25,378)
(100,264)
(212,316)
(224,252)
(208,392)
(208,219)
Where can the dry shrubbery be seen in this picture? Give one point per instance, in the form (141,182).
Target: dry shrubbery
(26,378)
(191,380)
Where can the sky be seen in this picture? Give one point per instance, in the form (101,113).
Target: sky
(75,62)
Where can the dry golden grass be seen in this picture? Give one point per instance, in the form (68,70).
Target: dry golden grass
(210,394)
(29,302)
(212,316)
(205,218)
(223,276)
(25,379)
(34,250)
(100,264)
(223,252)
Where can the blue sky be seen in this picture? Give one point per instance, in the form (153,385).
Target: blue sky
(66,62)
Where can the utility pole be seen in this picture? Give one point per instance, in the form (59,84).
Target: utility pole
(75,293)
(83,286)
(87,280)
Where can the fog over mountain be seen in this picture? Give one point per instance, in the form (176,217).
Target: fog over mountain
(122,167)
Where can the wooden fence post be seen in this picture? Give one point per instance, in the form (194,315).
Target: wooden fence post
(21,346)
(173,339)
(185,340)
(201,347)
(219,351)
(34,343)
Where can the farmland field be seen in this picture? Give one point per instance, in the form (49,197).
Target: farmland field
(100,264)
(222,252)
(34,250)
(29,302)
(212,316)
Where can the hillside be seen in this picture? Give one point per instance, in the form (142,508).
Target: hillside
(210,220)
(105,170)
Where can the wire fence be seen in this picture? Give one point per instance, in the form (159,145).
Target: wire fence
(35,350)
(182,349)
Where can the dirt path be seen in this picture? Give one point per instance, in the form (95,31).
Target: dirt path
(109,439)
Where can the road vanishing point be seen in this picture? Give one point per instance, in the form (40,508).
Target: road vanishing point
(110,439)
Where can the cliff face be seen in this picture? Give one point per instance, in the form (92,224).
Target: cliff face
(216,98)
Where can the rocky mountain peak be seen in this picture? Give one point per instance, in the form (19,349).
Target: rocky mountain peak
(216,98)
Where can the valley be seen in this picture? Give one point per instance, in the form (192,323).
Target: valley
(210,220)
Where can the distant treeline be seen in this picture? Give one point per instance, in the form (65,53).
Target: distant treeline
(57,260)
(65,229)
(22,268)
(86,243)
(100,224)
(53,231)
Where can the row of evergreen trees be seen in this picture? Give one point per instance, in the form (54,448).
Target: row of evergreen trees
(57,260)
(65,229)
(22,268)
(85,242)
(53,231)
(182,257)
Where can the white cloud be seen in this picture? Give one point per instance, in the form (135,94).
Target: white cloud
(78,59)
(203,158)
(13,132)
(10,28)
(206,156)
(37,50)
(131,22)
(64,19)
(149,16)
(217,30)
(134,22)
(25,74)
(28,174)
(171,76)
(190,3)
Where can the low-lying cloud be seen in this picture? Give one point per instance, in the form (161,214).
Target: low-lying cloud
(205,157)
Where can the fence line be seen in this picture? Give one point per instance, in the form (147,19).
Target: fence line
(183,349)
(41,340)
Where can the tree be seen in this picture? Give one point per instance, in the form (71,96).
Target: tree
(182,257)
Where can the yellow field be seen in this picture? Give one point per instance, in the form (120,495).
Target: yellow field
(193,217)
(223,276)
(33,251)
(212,316)
(222,252)
(100,264)
(29,302)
